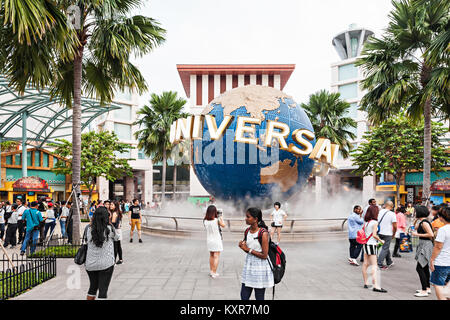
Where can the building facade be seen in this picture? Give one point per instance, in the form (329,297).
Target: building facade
(345,79)
(121,121)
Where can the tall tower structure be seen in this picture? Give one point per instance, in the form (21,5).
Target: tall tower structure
(345,79)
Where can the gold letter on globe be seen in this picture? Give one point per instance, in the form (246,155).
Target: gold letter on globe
(280,136)
(215,133)
(241,128)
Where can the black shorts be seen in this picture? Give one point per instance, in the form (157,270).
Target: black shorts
(274,226)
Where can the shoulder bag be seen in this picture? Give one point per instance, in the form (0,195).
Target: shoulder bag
(80,257)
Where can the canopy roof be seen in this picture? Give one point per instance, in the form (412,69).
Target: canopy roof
(47,119)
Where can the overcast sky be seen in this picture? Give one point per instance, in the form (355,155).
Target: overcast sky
(252,32)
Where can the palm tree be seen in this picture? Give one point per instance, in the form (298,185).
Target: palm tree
(407,69)
(90,57)
(154,132)
(327,113)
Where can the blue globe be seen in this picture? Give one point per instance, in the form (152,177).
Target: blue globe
(237,171)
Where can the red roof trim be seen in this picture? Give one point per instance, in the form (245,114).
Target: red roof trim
(185,70)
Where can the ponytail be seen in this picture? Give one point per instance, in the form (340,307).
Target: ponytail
(256,213)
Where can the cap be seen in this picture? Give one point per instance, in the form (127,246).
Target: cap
(50,204)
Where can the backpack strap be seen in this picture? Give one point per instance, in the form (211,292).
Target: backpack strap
(260,233)
(245,233)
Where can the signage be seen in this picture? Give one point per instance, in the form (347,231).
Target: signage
(31,184)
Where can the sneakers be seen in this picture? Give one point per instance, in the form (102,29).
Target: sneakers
(119,262)
(22,253)
(379,290)
(396,255)
(131,239)
(355,262)
(421,294)
(390,265)
(140,240)
(428,291)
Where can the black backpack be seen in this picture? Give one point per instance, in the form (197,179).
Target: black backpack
(276,257)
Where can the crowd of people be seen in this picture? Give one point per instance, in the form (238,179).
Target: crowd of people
(372,229)
(25,222)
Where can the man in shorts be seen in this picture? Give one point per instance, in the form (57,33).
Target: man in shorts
(278,216)
(440,258)
(135,219)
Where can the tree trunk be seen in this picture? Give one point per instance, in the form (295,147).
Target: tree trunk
(163,186)
(76,143)
(426,153)
(174,179)
(397,188)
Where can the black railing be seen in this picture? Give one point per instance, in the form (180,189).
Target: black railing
(20,274)
(57,246)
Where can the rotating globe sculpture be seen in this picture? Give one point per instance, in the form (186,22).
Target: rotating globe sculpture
(241,172)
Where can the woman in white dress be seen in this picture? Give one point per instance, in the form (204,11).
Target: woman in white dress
(256,274)
(213,238)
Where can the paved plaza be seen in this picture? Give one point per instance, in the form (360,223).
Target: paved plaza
(167,268)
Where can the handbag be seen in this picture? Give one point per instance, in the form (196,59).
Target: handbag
(80,257)
(361,237)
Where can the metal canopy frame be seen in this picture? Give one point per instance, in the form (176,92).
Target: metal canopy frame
(44,118)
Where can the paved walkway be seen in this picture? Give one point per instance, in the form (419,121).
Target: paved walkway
(165,268)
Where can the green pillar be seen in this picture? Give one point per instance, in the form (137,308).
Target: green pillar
(24,145)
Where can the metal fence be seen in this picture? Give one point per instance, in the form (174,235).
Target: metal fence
(57,246)
(21,273)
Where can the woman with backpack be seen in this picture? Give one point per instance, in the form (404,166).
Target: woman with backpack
(256,273)
(370,247)
(100,237)
(424,249)
(212,223)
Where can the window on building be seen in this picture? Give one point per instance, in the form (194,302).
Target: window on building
(55,161)
(349,91)
(29,162)
(45,160)
(123,131)
(141,155)
(37,158)
(348,71)
(354,46)
(18,159)
(352,111)
(123,113)
(9,160)
(123,155)
(122,96)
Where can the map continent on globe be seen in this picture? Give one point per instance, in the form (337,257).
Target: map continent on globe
(231,170)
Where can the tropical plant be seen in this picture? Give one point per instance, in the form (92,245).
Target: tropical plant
(75,48)
(407,69)
(99,158)
(179,153)
(396,147)
(327,113)
(154,128)
(7,146)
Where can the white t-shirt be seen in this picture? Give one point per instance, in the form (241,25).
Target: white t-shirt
(50,216)
(443,236)
(368,229)
(387,218)
(20,210)
(2,215)
(64,213)
(277,216)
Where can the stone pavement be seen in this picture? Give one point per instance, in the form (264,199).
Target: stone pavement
(167,268)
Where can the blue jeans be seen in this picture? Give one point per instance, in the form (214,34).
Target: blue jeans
(51,226)
(33,235)
(63,227)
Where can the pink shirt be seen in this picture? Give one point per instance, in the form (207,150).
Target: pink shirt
(401,221)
